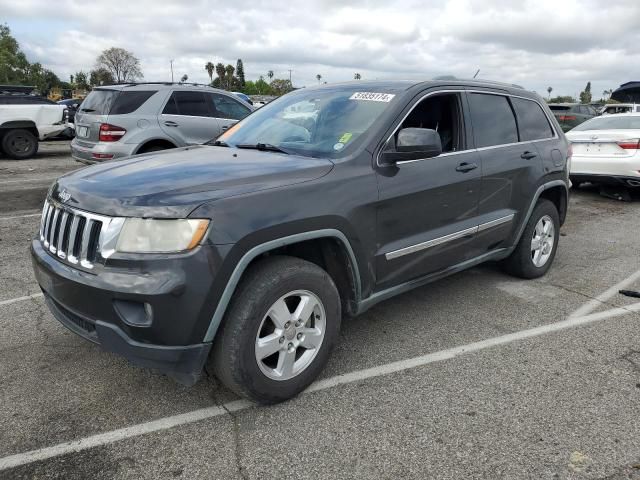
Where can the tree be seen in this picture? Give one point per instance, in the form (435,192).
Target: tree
(81,82)
(606,94)
(210,68)
(122,64)
(240,73)
(562,99)
(184,78)
(220,73)
(270,75)
(357,76)
(318,77)
(585,95)
(100,76)
(280,86)
(549,90)
(229,76)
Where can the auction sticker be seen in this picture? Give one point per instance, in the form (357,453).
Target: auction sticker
(372,96)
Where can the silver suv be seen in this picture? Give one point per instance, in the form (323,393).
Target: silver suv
(122,120)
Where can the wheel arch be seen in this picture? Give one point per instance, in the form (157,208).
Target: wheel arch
(333,243)
(153,142)
(22,124)
(555,191)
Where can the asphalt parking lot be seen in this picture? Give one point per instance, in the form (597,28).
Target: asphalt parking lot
(477,376)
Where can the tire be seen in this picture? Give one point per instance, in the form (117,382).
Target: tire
(522,262)
(235,359)
(19,144)
(152,148)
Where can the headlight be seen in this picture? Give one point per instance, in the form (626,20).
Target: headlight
(141,235)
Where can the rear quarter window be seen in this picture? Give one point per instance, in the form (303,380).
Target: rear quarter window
(532,122)
(492,119)
(128,102)
(99,101)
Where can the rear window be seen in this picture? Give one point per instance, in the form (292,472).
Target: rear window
(532,122)
(492,119)
(26,100)
(99,101)
(610,123)
(114,102)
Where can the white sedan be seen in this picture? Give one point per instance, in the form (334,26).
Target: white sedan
(605,150)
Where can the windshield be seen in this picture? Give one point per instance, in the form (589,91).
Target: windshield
(314,123)
(610,123)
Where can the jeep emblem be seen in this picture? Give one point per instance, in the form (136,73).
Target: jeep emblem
(64,196)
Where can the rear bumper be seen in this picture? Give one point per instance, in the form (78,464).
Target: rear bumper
(103,308)
(615,180)
(83,153)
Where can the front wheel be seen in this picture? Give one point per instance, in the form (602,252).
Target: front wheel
(279,330)
(537,247)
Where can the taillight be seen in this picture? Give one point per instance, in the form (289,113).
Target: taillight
(566,118)
(111,133)
(631,144)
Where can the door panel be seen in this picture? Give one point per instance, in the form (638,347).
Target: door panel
(425,211)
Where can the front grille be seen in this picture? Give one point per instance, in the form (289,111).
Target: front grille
(71,235)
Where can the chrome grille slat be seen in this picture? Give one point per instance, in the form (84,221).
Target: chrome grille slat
(65,231)
(84,246)
(73,232)
(52,230)
(61,231)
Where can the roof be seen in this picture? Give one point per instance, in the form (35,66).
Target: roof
(158,86)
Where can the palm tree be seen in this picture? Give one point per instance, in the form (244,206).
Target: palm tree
(184,78)
(210,67)
(229,69)
(549,90)
(607,93)
(357,76)
(270,75)
(318,77)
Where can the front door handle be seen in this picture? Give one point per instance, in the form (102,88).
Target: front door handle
(528,155)
(169,123)
(466,167)
(225,127)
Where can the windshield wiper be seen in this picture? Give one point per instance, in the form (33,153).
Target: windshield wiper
(265,147)
(217,143)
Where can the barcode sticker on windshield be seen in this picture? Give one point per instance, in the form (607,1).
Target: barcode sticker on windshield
(372,96)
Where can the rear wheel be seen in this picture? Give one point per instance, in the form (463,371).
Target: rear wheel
(279,330)
(537,247)
(19,144)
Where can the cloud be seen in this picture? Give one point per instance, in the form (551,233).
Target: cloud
(535,43)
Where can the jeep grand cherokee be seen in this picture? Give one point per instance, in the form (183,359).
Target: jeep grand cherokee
(248,252)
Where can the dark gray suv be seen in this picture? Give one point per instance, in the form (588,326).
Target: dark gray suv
(247,253)
(118,121)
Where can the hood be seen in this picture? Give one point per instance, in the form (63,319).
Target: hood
(172,183)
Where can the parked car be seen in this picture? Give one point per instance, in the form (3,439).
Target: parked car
(244,97)
(122,120)
(72,105)
(570,115)
(246,253)
(25,119)
(615,108)
(605,150)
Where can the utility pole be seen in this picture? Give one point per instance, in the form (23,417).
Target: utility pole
(290,77)
(171,62)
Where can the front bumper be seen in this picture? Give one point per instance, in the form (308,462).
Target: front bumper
(100,308)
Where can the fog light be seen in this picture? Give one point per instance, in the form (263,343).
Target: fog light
(135,314)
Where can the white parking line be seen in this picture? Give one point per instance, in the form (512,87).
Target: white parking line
(20,299)
(22,216)
(591,305)
(359,375)
(29,180)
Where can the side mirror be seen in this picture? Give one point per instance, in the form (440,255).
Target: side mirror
(413,144)
(75,105)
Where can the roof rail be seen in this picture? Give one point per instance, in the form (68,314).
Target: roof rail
(133,84)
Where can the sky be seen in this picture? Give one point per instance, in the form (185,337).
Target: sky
(536,44)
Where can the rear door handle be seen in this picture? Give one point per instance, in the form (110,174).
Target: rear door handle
(169,123)
(466,167)
(528,155)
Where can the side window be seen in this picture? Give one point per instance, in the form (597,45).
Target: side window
(226,107)
(128,102)
(442,114)
(187,103)
(532,122)
(492,119)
